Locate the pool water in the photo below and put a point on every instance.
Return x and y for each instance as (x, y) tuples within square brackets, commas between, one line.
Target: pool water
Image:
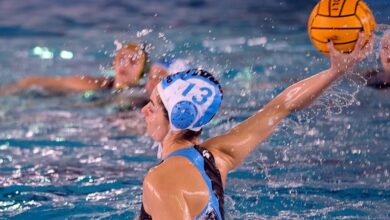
[(81, 156)]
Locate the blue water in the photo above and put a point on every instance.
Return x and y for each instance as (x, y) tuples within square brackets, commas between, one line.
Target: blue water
[(76, 157)]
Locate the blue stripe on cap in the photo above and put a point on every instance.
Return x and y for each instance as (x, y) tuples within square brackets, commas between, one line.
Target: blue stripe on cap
[(210, 112), (166, 62), (170, 79)]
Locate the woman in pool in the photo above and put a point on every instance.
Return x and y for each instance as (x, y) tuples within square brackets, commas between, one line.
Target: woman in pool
[(380, 78), (129, 64), (188, 183)]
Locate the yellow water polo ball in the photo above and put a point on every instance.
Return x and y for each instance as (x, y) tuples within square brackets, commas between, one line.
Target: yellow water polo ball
[(339, 21)]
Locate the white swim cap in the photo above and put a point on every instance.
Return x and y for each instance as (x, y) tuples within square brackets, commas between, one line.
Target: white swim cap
[(174, 65), (191, 98)]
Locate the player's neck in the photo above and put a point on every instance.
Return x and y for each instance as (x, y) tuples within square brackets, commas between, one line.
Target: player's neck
[(172, 142)]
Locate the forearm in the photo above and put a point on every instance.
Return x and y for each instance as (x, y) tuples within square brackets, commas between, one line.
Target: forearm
[(50, 83), (30, 81), (9, 89), (303, 93), (61, 84), (295, 97)]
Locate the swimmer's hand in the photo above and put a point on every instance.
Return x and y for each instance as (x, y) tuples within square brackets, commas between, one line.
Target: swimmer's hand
[(341, 62)]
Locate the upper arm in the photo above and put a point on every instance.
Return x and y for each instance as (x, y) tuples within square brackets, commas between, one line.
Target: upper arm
[(231, 148)]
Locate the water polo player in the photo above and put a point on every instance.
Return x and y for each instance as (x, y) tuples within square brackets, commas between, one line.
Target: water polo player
[(189, 181), (129, 64), (380, 77)]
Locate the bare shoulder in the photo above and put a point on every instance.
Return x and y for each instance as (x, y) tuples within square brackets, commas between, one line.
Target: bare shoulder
[(171, 174), (175, 184), (155, 189)]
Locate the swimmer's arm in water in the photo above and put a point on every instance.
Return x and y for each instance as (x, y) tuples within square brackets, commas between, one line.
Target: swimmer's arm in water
[(231, 148), (60, 84)]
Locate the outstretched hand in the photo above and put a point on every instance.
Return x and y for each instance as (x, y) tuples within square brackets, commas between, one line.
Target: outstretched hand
[(341, 62)]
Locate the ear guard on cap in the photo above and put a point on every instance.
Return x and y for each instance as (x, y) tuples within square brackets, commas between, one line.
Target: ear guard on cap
[(192, 98), (183, 114)]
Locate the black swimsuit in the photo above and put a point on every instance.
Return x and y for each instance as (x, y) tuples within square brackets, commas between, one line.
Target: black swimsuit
[(216, 182), (375, 80)]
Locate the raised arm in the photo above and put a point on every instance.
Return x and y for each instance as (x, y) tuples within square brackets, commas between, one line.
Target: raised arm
[(231, 148), (60, 84)]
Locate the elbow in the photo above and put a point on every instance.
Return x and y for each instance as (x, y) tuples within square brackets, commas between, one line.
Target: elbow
[(282, 109)]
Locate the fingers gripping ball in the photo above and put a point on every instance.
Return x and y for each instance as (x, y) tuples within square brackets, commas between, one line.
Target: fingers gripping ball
[(339, 21)]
